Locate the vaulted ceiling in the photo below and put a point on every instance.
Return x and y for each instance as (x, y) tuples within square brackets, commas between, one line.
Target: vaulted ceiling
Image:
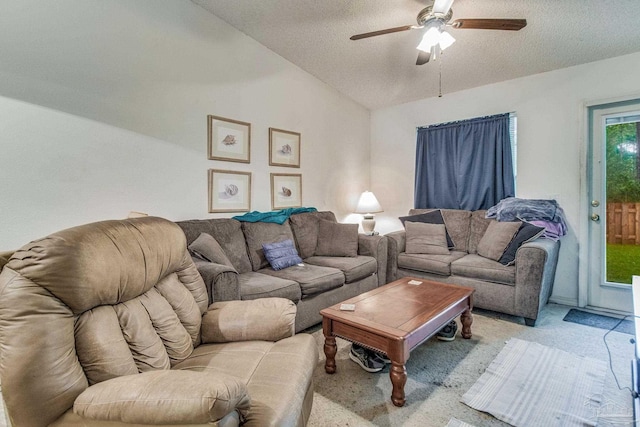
[(380, 71)]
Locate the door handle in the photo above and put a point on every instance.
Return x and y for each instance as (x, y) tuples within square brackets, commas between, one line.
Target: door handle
[(595, 217)]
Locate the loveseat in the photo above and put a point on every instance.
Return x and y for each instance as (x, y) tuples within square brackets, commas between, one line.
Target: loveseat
[(337, 262), (470, 255), (108, 324)]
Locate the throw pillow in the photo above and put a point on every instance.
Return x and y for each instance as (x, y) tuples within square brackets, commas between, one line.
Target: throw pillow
[(207, 248), (434, 217), (526, 233), (496, 239), (281, 254), (336, 239), (425, 238)]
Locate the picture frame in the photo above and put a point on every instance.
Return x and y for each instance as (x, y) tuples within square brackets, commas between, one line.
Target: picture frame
[(284, 148), (286, 191), (229, 191), (228, 140)]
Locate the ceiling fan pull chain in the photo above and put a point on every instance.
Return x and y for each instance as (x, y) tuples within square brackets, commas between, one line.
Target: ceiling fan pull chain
[(440, 77)]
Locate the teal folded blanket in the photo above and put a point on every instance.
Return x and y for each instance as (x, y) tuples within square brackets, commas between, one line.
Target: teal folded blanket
[(278, 217)]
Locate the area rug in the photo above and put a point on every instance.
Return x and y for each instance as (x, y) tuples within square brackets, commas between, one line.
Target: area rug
[(599, 321), (529, 384), (454, 422)]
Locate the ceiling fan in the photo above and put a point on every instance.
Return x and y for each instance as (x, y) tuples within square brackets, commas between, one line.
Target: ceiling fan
[(435, 18)]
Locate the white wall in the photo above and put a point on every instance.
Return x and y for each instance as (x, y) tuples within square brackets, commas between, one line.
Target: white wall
[(103, 109), (551, 145)]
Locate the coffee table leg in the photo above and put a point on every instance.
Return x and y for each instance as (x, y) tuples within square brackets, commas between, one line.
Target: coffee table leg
[(398, 374), (466, 318), (330, 350)]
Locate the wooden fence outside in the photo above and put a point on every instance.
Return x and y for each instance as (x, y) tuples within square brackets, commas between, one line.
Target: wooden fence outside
[(623, 223)]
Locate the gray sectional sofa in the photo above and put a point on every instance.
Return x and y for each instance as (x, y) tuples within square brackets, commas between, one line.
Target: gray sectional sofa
[(520, 289), (321, 281)]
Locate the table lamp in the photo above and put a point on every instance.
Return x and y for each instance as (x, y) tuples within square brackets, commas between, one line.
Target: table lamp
[(368, 205)]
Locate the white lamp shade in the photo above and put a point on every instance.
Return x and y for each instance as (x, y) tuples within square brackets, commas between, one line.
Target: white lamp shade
[(368, 203)]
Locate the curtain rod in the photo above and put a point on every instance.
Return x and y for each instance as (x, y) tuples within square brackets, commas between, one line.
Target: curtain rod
[(511, 113)]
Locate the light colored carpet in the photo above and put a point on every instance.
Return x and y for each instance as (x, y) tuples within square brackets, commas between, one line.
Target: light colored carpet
[(532, 384), (453, 422), (439, 373)]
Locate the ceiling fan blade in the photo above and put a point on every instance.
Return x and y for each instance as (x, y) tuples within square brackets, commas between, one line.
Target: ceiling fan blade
[(381, 32), (423, 57), (490, 24), (442, 6)]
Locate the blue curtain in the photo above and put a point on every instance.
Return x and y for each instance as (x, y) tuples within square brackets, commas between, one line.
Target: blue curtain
[(464, 165)]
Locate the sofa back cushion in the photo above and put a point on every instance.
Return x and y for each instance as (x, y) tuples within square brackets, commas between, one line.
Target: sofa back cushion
[(227, 232), (257, 234), (305, 230), (91, 303), (457, 224), (479, 225), (335, 239)]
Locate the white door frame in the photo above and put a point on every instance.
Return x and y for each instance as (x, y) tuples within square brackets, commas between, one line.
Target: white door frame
[(585, 207)]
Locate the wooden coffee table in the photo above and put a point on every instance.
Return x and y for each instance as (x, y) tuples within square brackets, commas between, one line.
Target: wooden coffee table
[(394, 319)]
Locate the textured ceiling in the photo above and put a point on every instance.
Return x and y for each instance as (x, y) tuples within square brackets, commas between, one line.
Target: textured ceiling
[(381, 71)]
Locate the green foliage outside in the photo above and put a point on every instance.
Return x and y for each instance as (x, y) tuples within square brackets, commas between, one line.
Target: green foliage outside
[(623, 261), (623, 185)]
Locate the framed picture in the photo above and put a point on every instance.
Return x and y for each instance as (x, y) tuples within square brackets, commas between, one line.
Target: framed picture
[(229, 191), (286, 191), (284, 148), (229, 140)]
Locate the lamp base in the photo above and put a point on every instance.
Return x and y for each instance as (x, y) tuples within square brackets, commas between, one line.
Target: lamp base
[(368, 224)]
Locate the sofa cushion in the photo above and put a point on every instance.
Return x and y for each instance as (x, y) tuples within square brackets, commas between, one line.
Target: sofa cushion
[(353, 269), (457, 223), (207, 248), (313, 279), (305, 230), (260, 365), (254, 285), (436, 264), (496, 239), (433, 217), (227, 232), (335, 239), (477, 228), (526, 233), (476, 267), (193, 398), (281, 254), (423, 238), (260, 233)]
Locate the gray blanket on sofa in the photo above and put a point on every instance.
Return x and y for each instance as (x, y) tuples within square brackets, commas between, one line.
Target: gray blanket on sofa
[(513, 209)]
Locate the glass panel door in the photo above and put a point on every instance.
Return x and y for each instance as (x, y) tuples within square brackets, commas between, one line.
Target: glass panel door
[(614, 232)]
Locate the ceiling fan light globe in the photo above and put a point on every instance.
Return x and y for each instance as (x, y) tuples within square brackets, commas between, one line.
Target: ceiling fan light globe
[(446, 40), (431, 38)]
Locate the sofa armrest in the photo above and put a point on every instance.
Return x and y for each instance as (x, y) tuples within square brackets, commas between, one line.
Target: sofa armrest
[(266, 319), (536, 263), (164, 397), (221, 280), (376, 247), (397, 244)]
